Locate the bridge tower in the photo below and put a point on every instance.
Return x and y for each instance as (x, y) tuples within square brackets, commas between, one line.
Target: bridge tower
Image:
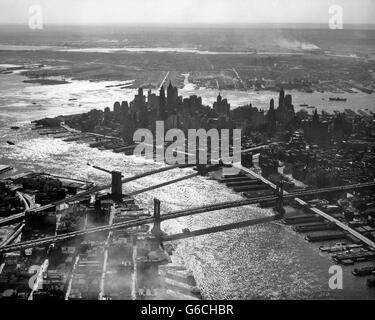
[(116, 186), (156, 230), (280, 200), (202, 168)]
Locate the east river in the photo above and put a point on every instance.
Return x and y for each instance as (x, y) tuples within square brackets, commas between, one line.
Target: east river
[(267, 261)]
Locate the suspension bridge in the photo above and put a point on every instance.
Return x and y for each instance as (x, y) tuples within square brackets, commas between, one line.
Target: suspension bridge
[(279, 197)]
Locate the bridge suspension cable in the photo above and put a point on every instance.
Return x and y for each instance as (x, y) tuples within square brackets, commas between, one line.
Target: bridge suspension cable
[(173, 215)]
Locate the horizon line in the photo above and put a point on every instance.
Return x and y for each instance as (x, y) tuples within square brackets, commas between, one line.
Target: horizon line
[(318, 25)]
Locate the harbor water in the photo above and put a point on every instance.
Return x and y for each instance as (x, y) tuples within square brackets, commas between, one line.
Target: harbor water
[(268, 261)]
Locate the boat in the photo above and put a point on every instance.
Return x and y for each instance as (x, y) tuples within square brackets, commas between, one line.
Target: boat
[(10, 143), (337, 99), (15, 128), (366, 271), (339, 247)]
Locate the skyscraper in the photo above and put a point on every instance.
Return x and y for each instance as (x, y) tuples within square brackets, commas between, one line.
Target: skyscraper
[(172, 98), (221, 106), (162, 104), (271, 118), (285, 111), (281, 98)]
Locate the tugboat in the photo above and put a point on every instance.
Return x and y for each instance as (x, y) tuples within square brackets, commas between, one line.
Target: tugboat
[(336, 247), (339, 247), (337, 99)]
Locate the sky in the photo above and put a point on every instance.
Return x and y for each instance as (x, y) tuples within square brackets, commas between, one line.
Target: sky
[(186, 11)]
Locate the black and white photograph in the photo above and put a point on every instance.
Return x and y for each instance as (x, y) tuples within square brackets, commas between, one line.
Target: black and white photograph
[(192, 150)]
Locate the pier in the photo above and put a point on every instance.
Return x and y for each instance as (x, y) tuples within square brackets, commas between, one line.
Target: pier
[(4, 169), (326, 216)]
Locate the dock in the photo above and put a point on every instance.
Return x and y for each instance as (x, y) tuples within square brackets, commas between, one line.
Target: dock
[(5, 168), (327, 236), (317, 211), (245, 184), (94, 140), (354, 257), (315, 227), (302, 219)]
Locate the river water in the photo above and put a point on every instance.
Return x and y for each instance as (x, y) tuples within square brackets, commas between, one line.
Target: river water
[(267, 261)]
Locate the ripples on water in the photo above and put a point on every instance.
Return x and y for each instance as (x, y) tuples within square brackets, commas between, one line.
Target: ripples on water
[(267, 261), (260, 262)]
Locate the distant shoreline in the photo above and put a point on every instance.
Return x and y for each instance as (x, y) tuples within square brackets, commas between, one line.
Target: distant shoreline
[(46, 81), (229, 25)]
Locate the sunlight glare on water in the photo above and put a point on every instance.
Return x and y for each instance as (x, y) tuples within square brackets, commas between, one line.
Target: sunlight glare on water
[(267, 261)]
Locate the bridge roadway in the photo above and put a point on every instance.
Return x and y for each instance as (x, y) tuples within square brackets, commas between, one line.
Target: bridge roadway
[(163, 184), (193, 211), (13, 235), (88, 193), (251, 222), (326, 216), (220, 228), (12, 219), (133, 223), (15, 217), (312, 192)]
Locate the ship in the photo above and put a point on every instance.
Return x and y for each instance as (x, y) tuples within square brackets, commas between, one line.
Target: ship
[(338, 247), (366, 271), (337, 99), (304, 105)]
